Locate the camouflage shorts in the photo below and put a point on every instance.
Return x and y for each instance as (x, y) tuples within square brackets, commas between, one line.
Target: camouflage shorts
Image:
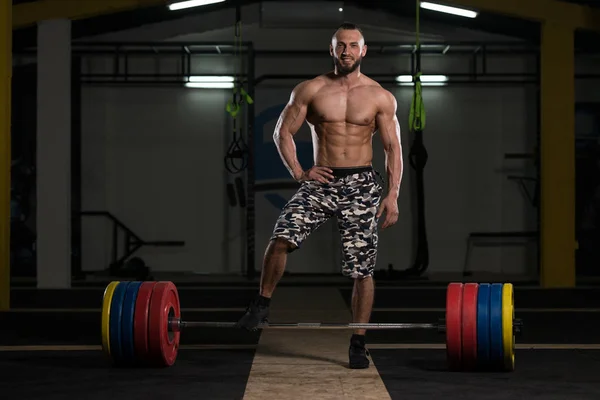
[(353, 197)]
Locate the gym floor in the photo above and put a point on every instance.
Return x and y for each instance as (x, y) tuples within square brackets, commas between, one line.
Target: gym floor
[(49, 348)]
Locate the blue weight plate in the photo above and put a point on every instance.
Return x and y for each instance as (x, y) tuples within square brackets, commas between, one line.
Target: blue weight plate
[(127, 343), (116, 311), (483, 325), (496, 341)]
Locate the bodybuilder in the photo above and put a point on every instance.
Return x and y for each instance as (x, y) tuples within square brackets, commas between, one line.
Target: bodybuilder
[(343, 108)]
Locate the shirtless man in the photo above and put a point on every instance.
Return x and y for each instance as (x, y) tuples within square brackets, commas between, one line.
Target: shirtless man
[(343, 108)]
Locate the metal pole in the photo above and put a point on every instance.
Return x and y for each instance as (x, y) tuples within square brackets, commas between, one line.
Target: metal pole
[(6, 36), (537, 166), (76, 159), (250, 171)]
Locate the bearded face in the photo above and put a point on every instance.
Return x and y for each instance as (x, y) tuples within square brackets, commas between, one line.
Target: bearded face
[(347, 51), (347, 64)]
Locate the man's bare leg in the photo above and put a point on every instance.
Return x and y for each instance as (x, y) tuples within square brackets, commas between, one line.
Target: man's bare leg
[(274, 263), (362, 302), (273, 267)]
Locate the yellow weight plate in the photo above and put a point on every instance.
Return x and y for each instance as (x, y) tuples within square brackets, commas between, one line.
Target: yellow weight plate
[(106, 302), (508, 336)]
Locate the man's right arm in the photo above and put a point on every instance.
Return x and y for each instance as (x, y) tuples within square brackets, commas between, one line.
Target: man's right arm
[(291, 119)]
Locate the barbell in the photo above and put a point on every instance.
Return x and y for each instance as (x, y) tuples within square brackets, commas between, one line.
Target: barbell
[(142, 325)]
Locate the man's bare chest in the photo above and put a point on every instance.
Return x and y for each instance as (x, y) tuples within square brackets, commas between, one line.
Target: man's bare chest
[(354, 108)]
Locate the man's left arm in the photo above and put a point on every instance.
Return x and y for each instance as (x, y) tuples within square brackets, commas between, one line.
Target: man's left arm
[(389, 129)]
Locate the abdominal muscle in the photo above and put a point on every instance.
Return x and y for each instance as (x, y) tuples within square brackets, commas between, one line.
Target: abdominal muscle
[(341, 145)]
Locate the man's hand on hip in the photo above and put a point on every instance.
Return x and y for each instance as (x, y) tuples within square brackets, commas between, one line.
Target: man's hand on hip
[(319, 174)]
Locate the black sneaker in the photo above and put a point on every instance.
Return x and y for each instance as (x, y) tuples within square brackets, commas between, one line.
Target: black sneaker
[(255, 314), (358, 357)]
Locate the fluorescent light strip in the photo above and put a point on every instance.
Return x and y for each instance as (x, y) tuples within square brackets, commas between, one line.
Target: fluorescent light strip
[(192, 3), (423, 78), (210, 82), (209, 85), (449, 10), (211, 79), (424, 84)]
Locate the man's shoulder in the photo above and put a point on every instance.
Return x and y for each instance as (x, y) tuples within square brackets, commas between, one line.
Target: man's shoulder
[(307, 85), (376, 88), (312, 84), (305, 90), (380, 96), (379, 93), (386, 95)]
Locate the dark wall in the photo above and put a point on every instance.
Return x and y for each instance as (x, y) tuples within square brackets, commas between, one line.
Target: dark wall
[(23, 139)]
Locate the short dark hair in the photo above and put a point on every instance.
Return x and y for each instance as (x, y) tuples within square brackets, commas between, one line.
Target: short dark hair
[(350, 26)]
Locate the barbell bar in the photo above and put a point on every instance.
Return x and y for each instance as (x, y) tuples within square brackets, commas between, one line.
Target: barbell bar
[(142, 325), (178, 325)]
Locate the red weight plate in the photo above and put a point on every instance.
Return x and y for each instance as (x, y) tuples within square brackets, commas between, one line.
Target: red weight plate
[(140, 322), (162, 342), (454, 299), (469, 326)]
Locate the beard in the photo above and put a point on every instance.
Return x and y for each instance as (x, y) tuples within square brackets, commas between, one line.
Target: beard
[(345, 69)]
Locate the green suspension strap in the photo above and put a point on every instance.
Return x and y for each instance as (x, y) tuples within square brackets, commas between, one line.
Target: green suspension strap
[(418, 159), (236, 158)]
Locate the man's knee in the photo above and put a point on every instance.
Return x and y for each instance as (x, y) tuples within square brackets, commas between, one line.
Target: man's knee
[(281, 245)]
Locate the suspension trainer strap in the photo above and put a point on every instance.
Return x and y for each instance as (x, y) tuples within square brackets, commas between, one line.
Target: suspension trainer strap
[(418, 159), (236, 158)]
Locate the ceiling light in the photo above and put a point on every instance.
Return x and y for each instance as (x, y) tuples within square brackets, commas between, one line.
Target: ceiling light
[(449, 10), (424, 78), (209, 85), (192, 3), (210, 79), (210, 82)]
